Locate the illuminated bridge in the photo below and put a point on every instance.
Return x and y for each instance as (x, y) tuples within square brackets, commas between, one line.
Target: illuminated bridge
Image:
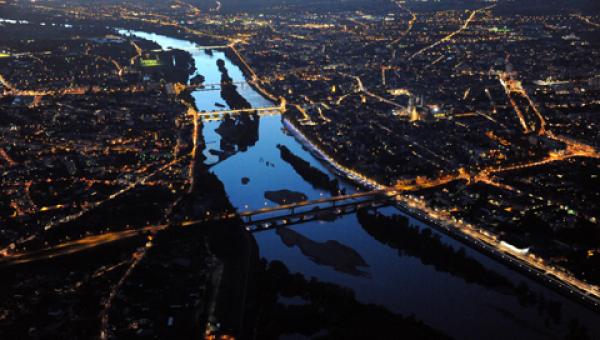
[(219, 115), (311, 210), (261, 111), (214, 86)]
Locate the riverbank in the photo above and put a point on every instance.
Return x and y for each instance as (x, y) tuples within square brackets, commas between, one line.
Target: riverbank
[(569, 289), (268, 178), (337, 168), (387, 269), (523, 267)]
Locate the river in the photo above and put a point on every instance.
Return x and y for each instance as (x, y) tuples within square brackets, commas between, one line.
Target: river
[(404, 282)]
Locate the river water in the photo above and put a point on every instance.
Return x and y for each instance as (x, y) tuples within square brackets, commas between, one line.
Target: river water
[(403, 283)]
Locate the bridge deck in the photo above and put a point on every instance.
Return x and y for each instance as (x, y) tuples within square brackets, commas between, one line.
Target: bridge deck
[(312, 215), (313, 202), (199, 86)]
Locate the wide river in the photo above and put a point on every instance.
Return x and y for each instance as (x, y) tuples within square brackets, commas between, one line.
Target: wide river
[(403, 283)]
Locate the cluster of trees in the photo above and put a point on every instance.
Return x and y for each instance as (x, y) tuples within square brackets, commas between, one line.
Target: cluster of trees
[(312, 175)]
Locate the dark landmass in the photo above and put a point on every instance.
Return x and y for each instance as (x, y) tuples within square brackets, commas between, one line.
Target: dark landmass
[(238, 132), (330, 312), (155, 303), (312, 175), (229, 91), (330, 253), (197, 80), (285, 196)]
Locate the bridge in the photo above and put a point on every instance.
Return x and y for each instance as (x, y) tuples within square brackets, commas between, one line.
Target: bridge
[(196, 48), (219, 115), (311, 210), (213, 86), (261, 111)]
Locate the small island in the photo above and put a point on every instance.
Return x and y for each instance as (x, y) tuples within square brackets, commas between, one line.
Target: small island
[(285, 196), (197, 80), (309, 173)]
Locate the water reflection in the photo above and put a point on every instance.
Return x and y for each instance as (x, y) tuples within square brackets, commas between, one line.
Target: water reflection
[(296, 307), (447, 285), (237, 135), (329, 253)]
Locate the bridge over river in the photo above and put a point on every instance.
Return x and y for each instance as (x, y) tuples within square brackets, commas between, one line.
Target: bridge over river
[(261, 111), (319, 209), (253, 221), (301, 212)]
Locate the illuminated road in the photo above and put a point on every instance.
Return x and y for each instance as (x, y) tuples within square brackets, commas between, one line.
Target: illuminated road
[(4, 155), (114, 195), (90, 242), (137, 257), (514, 87), (485, 240), (191, 111), (138, 52), (574, 148), (76, 246), (218, 8), (518, 112), (455, 33), (363, 89), (410, 25), (587, 20), (6, 84), (81, 90), (195, 11)]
